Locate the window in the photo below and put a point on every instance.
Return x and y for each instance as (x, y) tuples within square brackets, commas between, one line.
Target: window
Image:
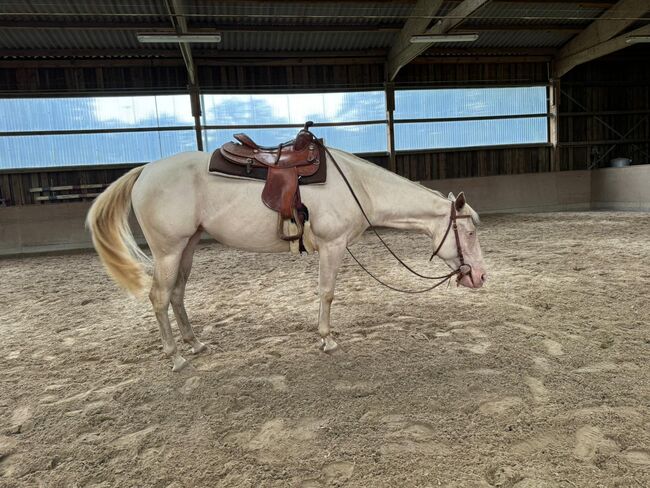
[(76, 131), (353, 121), (42, 132), (466, 117)]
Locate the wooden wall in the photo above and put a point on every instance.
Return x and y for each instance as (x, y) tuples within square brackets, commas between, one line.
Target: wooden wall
[(15, 186), (614, 90), (605, 111), (473, 162), (24, 79)]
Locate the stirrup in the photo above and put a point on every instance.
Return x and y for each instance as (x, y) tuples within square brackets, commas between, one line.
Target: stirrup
[(298, 223)]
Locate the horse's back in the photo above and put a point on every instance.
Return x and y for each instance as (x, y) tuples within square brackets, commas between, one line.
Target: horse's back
[(177, 195)]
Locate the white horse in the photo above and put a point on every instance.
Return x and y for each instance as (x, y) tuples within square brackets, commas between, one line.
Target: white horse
[(176, 199)]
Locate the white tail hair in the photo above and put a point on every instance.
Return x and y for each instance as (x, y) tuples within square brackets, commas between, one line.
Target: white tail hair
[(108, 221)]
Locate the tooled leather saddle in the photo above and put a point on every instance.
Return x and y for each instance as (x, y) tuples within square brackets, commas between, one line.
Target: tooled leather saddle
[(284, 168)]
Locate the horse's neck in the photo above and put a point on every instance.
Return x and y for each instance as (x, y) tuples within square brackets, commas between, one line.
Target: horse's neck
[(397, 202)]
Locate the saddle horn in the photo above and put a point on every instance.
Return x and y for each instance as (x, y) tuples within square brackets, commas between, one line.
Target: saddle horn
[(304, 137)]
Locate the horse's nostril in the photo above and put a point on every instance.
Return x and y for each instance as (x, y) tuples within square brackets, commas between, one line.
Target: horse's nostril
[(483, 277)]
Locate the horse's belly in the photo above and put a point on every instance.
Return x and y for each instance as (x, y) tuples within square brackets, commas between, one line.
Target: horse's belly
[(235, 215)]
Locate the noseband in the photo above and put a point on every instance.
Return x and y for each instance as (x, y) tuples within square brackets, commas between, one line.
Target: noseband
[(463, 269)]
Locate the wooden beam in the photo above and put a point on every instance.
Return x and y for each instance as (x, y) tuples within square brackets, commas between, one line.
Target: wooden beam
[(554, 123), (565, 64), (176, 11), (582, 4), (458, 15), (417, 23), (175, 53), (404, 53), (390, 125), (482, 59), (609, 24)]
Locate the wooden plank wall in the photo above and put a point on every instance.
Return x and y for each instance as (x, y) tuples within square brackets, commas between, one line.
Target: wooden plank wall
[(459, 74), (14, 187), (602, 101), (290, 78), (477, 162), (602, 87), (81, 78)]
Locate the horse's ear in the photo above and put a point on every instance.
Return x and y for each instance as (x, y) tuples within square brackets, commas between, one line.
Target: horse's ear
[(451, 196), (460, 201)]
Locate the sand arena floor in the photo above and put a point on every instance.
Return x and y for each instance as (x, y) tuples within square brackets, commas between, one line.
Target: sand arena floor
[(539, 379)]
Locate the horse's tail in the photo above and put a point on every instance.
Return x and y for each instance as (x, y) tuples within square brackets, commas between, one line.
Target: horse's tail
[(108, 221)]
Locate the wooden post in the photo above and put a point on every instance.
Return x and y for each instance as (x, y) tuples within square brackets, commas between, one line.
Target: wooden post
[(554, 122), (390, 109), (195, 100)]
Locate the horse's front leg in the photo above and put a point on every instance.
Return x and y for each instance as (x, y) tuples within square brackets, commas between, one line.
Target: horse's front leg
[(331, 255)]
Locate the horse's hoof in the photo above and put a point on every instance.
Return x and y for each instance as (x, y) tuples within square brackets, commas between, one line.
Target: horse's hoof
[(198, 347), (333, 351), (330, 347), (179, 363)]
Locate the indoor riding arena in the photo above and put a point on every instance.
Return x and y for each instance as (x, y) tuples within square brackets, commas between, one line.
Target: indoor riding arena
[(309, 346)]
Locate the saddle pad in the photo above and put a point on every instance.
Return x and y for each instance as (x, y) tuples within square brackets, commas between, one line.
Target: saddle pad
[(220, 165), (238, 153)]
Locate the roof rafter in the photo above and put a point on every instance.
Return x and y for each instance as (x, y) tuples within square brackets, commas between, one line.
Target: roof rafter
[(612, 22), (566, 64), (421, 17), (403, 52), (176, 11)]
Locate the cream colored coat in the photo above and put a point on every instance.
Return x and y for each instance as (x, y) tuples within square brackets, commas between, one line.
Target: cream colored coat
[(175, 199)]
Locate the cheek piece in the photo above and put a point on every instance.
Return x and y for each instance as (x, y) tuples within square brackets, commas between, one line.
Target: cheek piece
[(463, 269)]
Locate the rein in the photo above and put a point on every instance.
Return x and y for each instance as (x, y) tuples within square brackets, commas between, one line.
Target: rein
[(462, 270)]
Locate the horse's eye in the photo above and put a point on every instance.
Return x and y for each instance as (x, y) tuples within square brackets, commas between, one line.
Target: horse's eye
[(471, 233)]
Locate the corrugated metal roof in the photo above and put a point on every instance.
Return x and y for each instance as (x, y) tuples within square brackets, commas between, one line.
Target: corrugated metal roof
[(304, 41), (513, 39), (535, 13), (231, 41), (207, 13), (298, 13), (69, 39), (80, 10)]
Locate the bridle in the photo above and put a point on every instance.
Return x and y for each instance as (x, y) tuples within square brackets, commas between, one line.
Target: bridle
[(462, 270), (453, 217)]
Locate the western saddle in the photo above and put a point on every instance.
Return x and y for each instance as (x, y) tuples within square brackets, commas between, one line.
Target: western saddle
[(300, 161)]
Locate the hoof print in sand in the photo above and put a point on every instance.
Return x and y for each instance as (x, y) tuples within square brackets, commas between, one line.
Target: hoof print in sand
[(637, 456), (552, 347), (537, 389), (590, 441), (190, 385), (279, 439)]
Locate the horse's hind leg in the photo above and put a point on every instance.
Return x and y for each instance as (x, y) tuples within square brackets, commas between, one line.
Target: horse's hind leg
[(164, 278), (178, 296)]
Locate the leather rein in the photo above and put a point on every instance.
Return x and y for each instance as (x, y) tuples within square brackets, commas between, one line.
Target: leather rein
[(463, 269)]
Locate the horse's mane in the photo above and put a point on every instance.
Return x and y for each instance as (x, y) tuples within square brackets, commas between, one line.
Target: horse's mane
[(475, 217)]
